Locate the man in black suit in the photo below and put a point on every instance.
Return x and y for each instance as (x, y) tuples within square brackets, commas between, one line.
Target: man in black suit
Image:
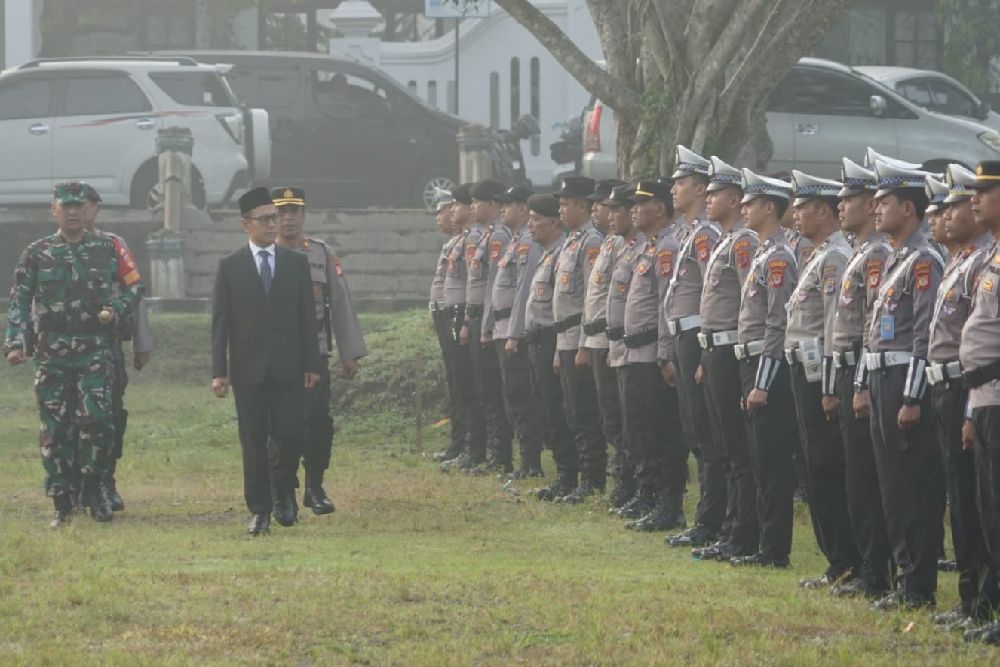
[(264, 344)]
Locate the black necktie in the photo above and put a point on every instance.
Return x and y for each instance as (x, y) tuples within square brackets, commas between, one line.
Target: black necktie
[(265, 270)]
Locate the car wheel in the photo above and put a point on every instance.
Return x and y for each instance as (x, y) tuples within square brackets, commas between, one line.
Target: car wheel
[(425, 192)]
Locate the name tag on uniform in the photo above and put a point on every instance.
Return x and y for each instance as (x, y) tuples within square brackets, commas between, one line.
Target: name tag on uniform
[(887, 328)]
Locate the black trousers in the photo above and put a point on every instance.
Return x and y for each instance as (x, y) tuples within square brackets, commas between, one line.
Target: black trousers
[(464, 383), (271, 418), (722, 385), (977, 580), (772, 439), (446, 341), (911, 478), (986, 421), (545, 389), (317, 442), (651, 418), (583, 416), (864, 497), (609, 402), (523, 409), (489, 389), (826, 476), (710, 454)]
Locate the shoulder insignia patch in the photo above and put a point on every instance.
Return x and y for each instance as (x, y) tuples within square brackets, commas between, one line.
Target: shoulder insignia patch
[(701, 247), (665, 262), (741, 249), (922, 275), (776, 272)]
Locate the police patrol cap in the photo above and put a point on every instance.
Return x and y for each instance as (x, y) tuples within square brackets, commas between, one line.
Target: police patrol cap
[(937, 193), (254, 198), (722, 175), (621, 196), (288, 196), (70, 192), (518, 193), (893, 177), (647, 190), (487, 190), (576, 187), (960, 181), (872, 156), (442, 199), (755, 186), (856, 179), (806, 187), (987, 175), (688, 163), (462, 193), (603, 189), (544, 205)]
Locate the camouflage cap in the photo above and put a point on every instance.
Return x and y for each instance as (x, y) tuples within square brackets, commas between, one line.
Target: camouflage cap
[(70, 192), (90, 193)]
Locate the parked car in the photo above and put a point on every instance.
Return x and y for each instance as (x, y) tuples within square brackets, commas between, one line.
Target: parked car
[(935, 91), (345, 131), (822, 111), (95, 119)]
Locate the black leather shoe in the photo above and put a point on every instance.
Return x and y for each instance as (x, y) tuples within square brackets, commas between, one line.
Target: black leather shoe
[(110, 490), (455, 463), (95, 501), (984, 634), (63, 504), (636, 508), (579, 494), (661, 518), (698, 535), (315, 498), (823, 581), (722, 551), (561, 486), (760, 560), (956, 615), (857, 588), (446, 454), (945, 565), (620, 494), (904, 600), (260, 524), (286, 512)]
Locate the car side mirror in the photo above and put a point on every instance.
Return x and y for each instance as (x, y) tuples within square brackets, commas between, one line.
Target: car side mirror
[(878, 106)]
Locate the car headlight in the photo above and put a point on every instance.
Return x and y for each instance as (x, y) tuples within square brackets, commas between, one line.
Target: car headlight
[(991, 139)]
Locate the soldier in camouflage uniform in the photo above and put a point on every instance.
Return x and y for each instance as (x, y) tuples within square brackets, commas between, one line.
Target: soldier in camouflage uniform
[(336, 319), (68, 277)]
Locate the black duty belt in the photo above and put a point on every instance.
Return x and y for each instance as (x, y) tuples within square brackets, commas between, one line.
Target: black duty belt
[(474, 311), (537, 335), (615, 333), (977, 377), (568, 323), (501, 314), (595, 327), (632, 341)]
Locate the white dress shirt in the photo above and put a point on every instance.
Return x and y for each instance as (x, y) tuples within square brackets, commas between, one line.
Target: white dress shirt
[(255, 251)]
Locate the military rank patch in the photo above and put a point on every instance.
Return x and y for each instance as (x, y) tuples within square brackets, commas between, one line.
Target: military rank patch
[(665, 262), (922, 275), (776, 272), (701, 247), (987, 284), (741, 249), (128, 272)]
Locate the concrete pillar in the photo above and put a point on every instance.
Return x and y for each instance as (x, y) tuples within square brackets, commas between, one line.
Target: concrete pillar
[(174, 146), (166, 264), (474, 145)]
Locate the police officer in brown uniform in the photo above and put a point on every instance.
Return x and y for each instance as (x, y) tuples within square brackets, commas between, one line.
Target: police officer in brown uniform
[(623, 464), (809, 352), (595, 324), (767, 399), (846, 375), (506, 319), (728, 268), (907, 457), (540, 336), (650, 407), (482, 264), (335, 319), (455, 294), (977, 581), (576, 261), (980, 357)]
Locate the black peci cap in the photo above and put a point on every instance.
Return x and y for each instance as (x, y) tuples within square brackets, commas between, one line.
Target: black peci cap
[(576, 187), (518, 193), (254, 198), (487, 190)]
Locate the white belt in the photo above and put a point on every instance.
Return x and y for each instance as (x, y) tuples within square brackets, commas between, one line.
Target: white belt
[(717, 339), (941, 372), (876, 360), (683, 324), (845, 359), (749, 350)]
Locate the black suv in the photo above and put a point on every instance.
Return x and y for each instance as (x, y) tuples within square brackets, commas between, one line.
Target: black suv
[(345, 131)]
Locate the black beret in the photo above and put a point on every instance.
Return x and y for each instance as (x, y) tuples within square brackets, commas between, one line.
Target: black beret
[(254, 198), (488, 190), (518, 193), (462, 193), (544, 205), (288, 196), (577, 187)]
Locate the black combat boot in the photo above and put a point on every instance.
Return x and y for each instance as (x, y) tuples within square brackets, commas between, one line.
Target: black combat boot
[(623, 491), (314, 496), (579, 494), (109, 489), (563, 484), (94, 500), (665, 515), (639, 506), (63, 504)]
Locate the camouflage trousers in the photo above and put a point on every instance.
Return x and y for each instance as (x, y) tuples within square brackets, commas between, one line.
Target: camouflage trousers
[(74, 395)]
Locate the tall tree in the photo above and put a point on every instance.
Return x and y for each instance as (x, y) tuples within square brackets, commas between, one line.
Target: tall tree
[(693, 72), (973, 40)]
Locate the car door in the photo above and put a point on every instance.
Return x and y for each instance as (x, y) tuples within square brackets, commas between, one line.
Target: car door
[(26, 107), (102, 120), (832, 118)]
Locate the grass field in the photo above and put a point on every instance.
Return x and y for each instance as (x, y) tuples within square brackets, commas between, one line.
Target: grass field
[(414, 568)]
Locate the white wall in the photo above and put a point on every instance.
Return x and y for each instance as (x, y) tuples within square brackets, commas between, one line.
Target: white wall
[(488, 46), (22, 35)]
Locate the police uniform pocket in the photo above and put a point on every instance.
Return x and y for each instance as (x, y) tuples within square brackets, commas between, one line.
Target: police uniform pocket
[(566, 281)]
